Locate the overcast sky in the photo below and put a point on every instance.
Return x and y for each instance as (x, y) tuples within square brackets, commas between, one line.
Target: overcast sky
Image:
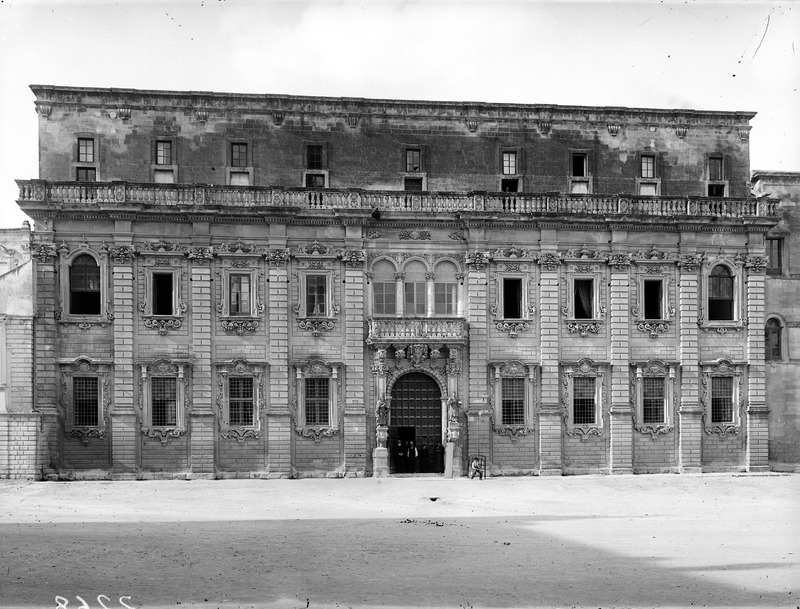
[(742, 55)]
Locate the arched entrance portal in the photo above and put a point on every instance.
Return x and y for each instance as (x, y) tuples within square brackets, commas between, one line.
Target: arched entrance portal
[(416, 416)]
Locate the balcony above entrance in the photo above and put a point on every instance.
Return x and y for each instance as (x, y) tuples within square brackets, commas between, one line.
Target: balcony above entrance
[(449, 330)]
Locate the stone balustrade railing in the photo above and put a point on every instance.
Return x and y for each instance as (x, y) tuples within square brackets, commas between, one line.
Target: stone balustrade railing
[(413, 329), (106, 194)]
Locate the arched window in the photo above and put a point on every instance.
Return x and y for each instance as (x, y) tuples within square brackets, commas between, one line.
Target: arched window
[(772, 340), (720, 294), (445, 289), (384, 289), (415, 289), (84, 286)]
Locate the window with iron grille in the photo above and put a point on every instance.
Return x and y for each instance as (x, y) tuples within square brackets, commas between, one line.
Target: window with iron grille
[(509, 163), (513, 396), (85, 150), (583, 401), (85, 401), (775, 256), (164, 401), (239, 294), (648, 166), (772, 340), (240, 401), (316, 291), (317, 393), (720, 294), (413, 160), (84, 286), (163, 152), (238, 155), (721, 399), (384, 294), (314, 158), (653, 400), (445, 298)]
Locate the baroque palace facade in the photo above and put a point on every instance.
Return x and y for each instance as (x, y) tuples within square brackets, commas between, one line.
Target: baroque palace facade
[(282, 286)]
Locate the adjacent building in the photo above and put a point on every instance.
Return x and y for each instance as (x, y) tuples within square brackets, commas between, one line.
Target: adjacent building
[(282, 286)]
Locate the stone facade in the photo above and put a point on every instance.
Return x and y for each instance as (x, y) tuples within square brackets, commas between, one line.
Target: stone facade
[(782, 330), (275, 286)]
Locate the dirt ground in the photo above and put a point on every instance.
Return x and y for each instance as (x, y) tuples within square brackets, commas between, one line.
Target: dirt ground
[(712, 540)]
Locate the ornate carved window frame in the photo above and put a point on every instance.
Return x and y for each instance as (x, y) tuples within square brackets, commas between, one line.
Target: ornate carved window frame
[(240, 259), (513, 369), (65, 259), (240, 368), (83, 367), (736, 268), (723, 368), (583, 368), (316, 260), (654, 369), (317, 368), (513, 263), (591, 265), (648, 270), (166, 258), (164, 368)]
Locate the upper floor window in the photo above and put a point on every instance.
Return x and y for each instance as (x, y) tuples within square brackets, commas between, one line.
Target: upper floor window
[(772, 340), (238, 155), (315, 174), (413, 184), (580, 179), (717, 177), (316, 295), (84, 286), (163, 152), (720, 294), (648, 184), (413, 160), (648, 166), (774, 255), (239, 294), (314, 157), (384, 289), (240, 167), (85, 150), (415, 289), (85, 174), (653, 298), (445, 289), (511, 171), (583, 298), (510, 163), (512, 297)]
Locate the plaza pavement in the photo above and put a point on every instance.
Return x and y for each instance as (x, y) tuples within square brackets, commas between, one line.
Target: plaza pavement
[(710, 540)]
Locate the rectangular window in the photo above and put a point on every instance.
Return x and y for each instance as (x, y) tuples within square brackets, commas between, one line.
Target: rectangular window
[(716, 169), (314, 157), (509, 163), (164, 401), (415, 303), (162, 294), (163, 153), (513, 401), (716, 190), (583, 407), (85, 150), (648, 166), (240, 178), (512, 297), (772, 340), (583, 298), (579, 169), (240, 405), (445, 298), (84, 286), (384, 295), (316, 292), (239, 293), (412, 184), (653, 400), (775, 256), (720, 294), (653, 298), (509, 185), (85, 400), (238, 155), (85, 174), (316, 401), (721, 399), (316, 180), (413, 160)]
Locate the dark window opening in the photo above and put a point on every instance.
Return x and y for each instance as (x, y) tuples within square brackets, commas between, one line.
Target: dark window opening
[(509, 185), (775, 256), (238, 155), (162, 294), (583, 408), (721, 399), (584, 298), (716, 169), (315, 295), (164, 153), (579, 166), (512, 298), (412, 184), (314, 157), (513, 391), (316, 180), (317, 393), (772, 340), (240, 403), (85, 401), (652, 400), (164, 402), (84, 286), (85, 174), (413, 160), (716, 190), (652, 299), (720, 294)]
